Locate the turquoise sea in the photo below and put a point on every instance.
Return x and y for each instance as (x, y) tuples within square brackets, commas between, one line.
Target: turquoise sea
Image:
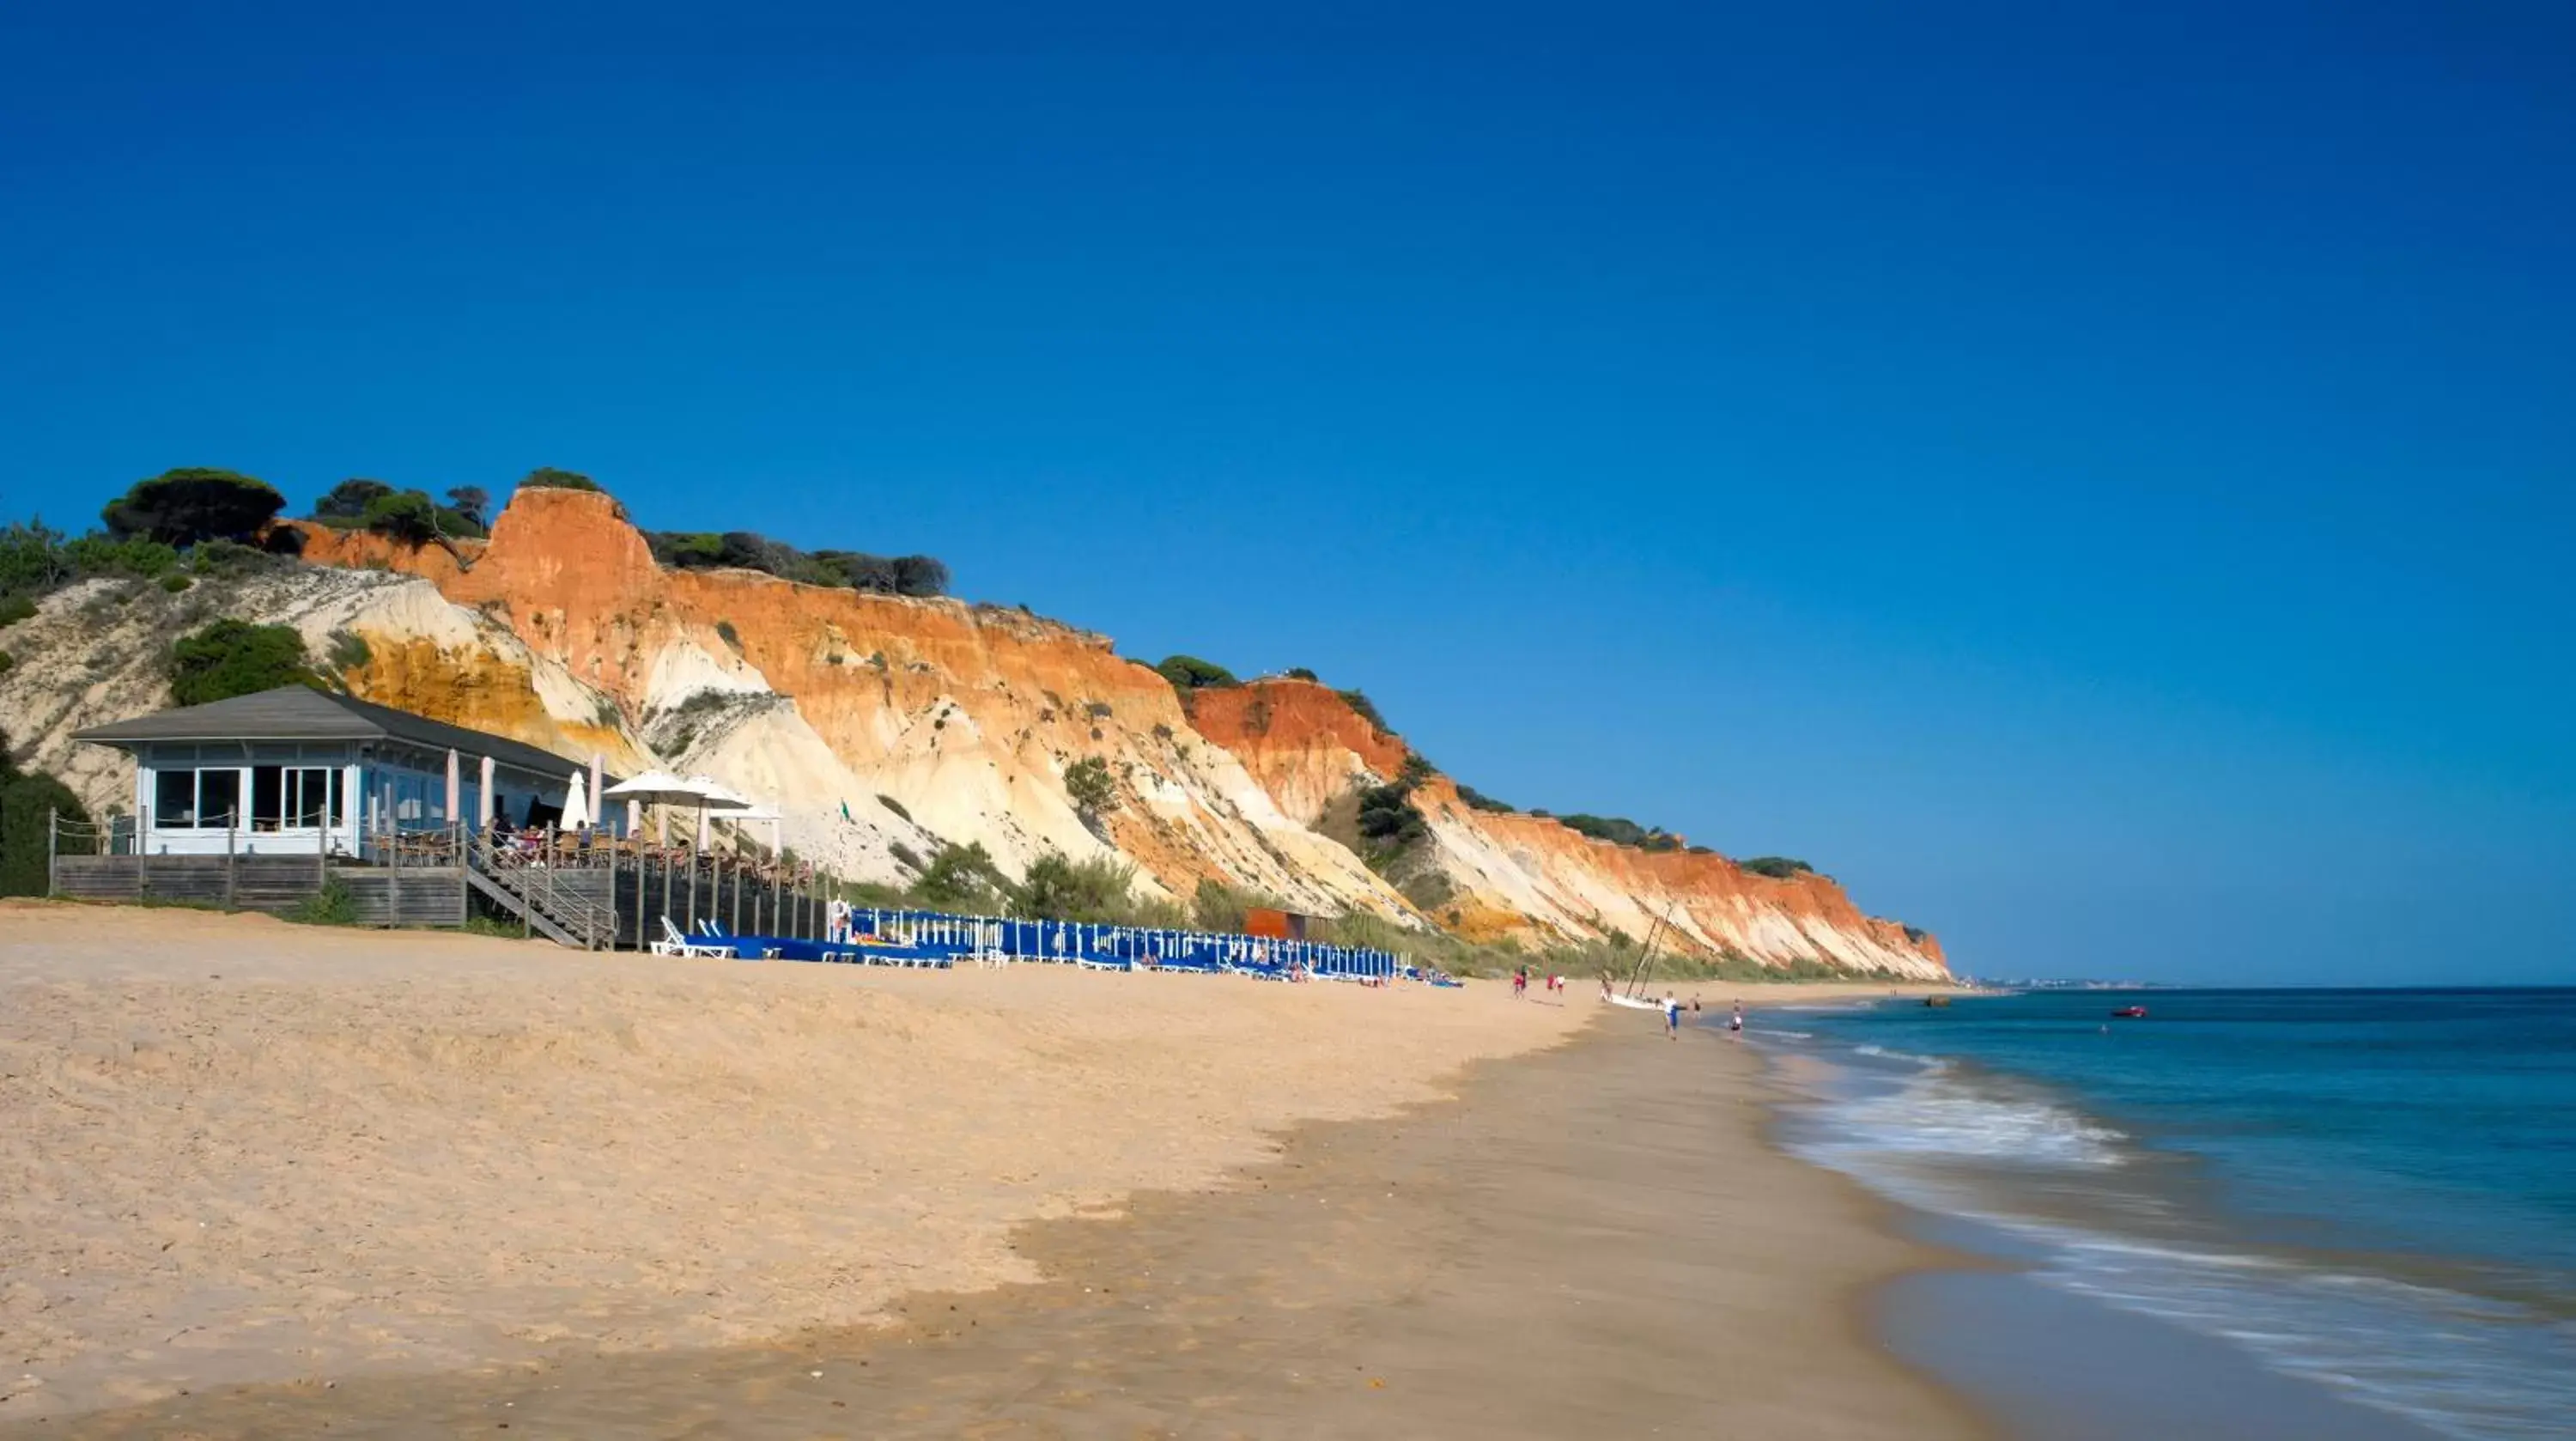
[(2289, 1212)]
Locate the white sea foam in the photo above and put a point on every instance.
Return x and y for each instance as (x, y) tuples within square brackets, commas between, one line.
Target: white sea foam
[(1934, 1116), (1885, 1053), (2462, 1366)]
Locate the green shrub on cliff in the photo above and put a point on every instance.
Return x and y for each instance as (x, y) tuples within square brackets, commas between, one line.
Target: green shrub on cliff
[(232, 657), (1188, 673), (1479, 801), (1359, 701), (32, 563), (1619, 830), (547, 477), (1389, 823), (27, 800), (910, 575), (1778, 868), (344, 506), (1093, 792), (960, 878), (1095, 891), (407, 516), (184, 506), (130, 557)]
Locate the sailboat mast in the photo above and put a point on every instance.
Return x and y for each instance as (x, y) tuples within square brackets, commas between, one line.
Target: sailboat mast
[(1646, 954)]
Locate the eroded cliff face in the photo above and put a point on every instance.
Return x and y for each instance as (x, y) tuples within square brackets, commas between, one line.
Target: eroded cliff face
[(883, 726), (1510, 874), (829, 701)]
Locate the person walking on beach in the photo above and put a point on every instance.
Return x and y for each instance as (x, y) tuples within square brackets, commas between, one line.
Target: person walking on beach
[(1672, 1018), (1735, 1024)]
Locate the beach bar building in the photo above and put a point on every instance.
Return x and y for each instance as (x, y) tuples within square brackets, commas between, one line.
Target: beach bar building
[(297, 771), (295, 796)]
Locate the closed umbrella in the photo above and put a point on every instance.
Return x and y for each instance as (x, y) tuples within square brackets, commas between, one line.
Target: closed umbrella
[(576, 811), (777, 825), (715, 795), (483, 806), (455, 788)]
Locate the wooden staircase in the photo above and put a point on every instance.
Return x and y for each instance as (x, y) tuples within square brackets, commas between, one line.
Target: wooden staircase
[(569, 906)]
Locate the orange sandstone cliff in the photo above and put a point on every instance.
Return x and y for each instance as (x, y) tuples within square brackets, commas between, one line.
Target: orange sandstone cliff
[(885, 726), (1490, 874)]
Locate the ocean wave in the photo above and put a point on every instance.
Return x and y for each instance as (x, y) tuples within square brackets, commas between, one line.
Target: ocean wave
[(1887, 1053), (1935, 1116), (2469, 1367)]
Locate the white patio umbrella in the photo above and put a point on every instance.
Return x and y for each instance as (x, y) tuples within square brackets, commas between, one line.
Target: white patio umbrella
[(661, 788), (455, 788), (576, 810), (483, 804)]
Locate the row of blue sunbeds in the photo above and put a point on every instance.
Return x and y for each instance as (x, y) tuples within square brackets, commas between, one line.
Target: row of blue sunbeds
[(711, 939)]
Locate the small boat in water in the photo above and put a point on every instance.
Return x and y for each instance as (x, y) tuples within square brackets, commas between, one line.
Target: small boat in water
[(2130, 1013), (1936, 1002)]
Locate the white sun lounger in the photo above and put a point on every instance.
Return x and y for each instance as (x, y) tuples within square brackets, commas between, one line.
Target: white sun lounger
[(673, 943)]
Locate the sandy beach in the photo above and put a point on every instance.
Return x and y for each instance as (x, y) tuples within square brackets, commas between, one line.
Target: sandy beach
[(366, 1177)]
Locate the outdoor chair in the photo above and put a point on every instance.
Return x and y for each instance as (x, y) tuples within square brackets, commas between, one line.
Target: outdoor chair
[(674, 943)]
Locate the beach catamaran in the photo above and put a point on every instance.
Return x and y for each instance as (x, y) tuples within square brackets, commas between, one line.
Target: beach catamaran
[(1635, 997)]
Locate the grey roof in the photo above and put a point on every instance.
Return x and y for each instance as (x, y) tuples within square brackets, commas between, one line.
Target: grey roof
[(301, 713)]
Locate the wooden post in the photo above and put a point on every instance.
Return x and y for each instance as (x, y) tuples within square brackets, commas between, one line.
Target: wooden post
[(53, 821), (393, 883), (232, 867), (612, 893), (456, 853)]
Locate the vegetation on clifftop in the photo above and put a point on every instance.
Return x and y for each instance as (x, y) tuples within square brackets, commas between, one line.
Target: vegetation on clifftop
[(912, 575), (1619, 830), (182, 507), (1188, 673), (407, 516), (196, 521), (1778, 868)]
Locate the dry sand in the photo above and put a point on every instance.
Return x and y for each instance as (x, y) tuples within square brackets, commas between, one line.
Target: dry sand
[(236, 1151)]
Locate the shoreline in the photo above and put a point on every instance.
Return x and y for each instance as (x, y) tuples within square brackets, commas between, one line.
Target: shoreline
[(148, 1079)]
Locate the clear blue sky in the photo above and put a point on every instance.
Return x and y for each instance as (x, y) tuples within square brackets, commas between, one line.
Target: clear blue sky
[(2101, 487)]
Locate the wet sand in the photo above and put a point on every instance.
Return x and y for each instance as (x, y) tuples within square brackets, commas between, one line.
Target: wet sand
[(1593, 1243)]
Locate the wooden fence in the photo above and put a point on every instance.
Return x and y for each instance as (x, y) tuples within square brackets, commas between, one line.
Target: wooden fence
[(415, 896), (611, 896)]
